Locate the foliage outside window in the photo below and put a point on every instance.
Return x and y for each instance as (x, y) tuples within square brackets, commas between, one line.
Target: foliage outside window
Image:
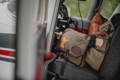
[(74, 10), (108, 7)]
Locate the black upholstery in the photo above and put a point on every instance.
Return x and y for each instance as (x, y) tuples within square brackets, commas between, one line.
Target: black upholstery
[(111, 65), (72, 72), (116, 20)]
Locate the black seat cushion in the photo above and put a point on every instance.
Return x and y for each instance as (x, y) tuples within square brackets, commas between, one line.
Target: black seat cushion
[(71, 72), (111, 65)]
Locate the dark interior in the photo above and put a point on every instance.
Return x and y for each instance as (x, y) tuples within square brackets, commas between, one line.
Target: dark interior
[(110, 69), (60, 69)]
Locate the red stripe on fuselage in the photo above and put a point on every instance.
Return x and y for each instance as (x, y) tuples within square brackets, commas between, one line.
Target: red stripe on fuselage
[(7, 53)]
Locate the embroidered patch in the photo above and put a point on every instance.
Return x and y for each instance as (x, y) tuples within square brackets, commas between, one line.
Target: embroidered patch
[(99, 42)]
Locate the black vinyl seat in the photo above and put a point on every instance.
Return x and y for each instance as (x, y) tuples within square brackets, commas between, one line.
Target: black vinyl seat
[(72, 72), (111, 66)]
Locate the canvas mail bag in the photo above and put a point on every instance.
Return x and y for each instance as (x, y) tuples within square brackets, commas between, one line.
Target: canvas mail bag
[(96, 54), (75, 45)]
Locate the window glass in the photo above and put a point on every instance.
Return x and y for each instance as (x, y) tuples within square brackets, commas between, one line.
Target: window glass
[(108, 7), (73, 7)]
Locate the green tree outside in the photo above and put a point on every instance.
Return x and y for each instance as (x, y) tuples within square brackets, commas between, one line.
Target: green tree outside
[(73, 6), (107, 10)]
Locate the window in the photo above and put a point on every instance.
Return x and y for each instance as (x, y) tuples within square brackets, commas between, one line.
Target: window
[(73, 7), (108, 7)]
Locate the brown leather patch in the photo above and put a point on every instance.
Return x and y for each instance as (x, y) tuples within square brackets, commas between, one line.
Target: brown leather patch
[(76, 50)]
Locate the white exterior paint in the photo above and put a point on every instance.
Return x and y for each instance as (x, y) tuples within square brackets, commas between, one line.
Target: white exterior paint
[(6, 70), (7, 20)]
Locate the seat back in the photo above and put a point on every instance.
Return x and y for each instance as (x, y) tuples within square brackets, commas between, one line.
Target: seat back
[(111, 65)]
